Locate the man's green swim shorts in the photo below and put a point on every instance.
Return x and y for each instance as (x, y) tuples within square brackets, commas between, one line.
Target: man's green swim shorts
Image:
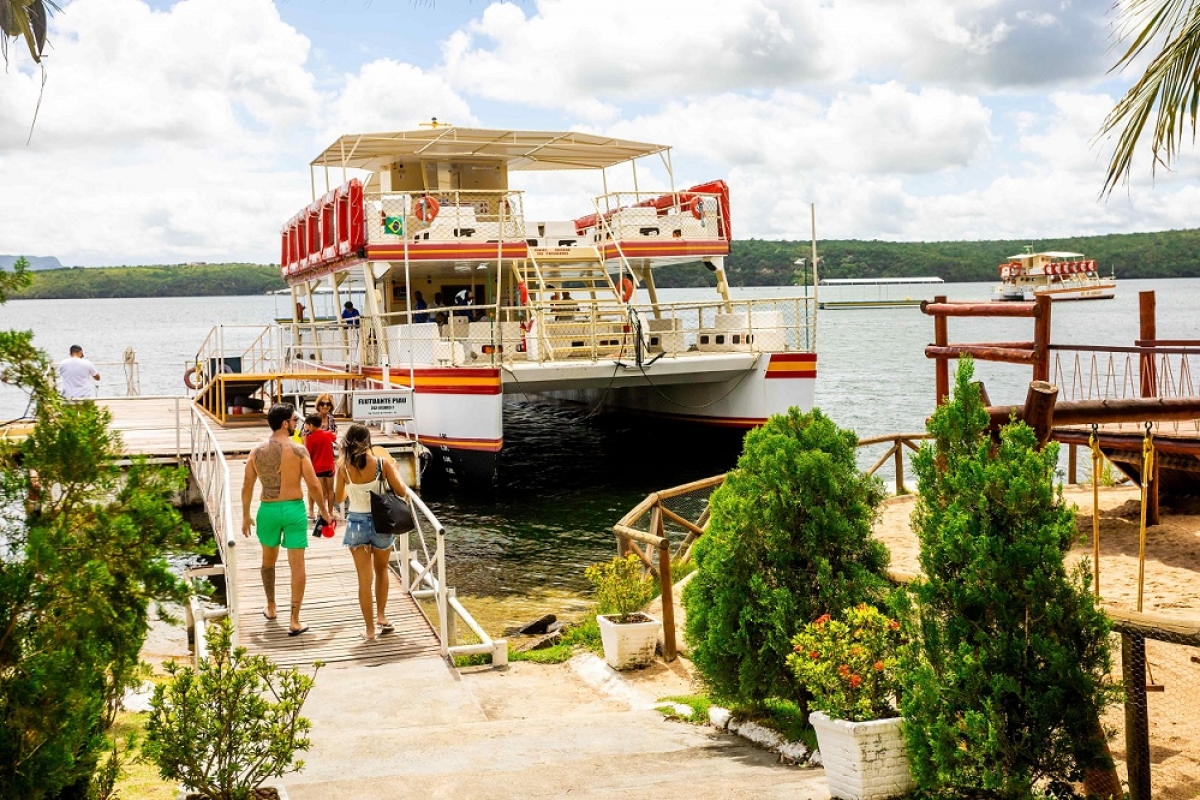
[(283, 521)]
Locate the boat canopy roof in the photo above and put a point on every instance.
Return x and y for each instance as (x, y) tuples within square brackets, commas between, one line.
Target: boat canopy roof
[(520, 150), (1048, 254), (876, 281)]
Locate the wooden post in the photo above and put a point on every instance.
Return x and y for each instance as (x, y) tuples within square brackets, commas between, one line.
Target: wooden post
[(1137, 720), (942, 365), (1041, 339), (668, 600), (1072, 464), (899, 468), (1039, 409), (1147, 333)]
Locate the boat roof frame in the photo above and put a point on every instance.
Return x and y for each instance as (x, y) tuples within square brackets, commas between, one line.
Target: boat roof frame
[(520, 150)]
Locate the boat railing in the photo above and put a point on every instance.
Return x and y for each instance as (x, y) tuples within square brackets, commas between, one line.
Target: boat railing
[(632, 216), (237, 349), (422, 563), (579, 329), (461, 215)]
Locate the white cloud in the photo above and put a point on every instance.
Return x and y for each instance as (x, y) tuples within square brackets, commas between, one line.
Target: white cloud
[(387, 96), (587, 59)]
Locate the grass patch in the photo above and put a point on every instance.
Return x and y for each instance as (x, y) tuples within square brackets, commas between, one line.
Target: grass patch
[(697, 702), (584, 636), (138, 778)]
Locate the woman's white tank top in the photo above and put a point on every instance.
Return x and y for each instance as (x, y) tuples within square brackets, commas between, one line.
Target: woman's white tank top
[(359, 494)]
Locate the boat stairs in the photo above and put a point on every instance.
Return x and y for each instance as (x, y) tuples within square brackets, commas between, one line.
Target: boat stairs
[(175, 431)]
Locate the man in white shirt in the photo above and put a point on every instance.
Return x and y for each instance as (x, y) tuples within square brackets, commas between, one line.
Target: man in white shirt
[(75, 375)]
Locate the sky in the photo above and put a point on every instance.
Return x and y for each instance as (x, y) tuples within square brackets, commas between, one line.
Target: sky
[(177, 132)]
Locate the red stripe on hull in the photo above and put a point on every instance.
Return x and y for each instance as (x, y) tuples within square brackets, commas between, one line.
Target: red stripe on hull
[(803, 373), (478, 445)]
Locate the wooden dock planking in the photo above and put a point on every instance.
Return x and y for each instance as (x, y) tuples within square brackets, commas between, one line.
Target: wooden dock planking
[(330, 608)]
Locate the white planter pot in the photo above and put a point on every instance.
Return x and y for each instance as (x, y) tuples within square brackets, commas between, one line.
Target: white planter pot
[(863, 760), (629, 645)]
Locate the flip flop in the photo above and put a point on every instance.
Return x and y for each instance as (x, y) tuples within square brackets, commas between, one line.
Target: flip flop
[(269, 618), (297, 631), (363, 636), (386, 627)]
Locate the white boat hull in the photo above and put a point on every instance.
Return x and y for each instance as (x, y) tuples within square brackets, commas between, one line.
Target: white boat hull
[(1089, 291)]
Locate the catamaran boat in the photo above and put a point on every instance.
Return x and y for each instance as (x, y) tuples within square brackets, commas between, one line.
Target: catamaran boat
[(469, 297), (1060, 276)]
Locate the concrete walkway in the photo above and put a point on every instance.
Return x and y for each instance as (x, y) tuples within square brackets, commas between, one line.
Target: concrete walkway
[(422, 729)]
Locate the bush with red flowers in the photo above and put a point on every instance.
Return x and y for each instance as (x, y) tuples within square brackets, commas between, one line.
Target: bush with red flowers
[(849, 664)]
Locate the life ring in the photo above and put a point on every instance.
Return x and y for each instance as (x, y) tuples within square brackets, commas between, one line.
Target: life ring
[(187, 377), (524, 291), (427, 209), (626, 290), (697, 207)]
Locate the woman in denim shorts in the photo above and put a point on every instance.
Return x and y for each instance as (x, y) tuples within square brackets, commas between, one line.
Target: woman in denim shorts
[(360, 471)]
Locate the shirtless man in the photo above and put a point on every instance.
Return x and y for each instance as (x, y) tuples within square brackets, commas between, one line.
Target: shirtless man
[(280, 464)]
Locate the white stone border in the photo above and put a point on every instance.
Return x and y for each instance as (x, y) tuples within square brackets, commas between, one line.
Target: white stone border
[(797, 752)]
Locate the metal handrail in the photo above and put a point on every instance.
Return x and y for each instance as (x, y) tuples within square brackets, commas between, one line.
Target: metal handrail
[(211, 472), (427, 579), (792, 331)]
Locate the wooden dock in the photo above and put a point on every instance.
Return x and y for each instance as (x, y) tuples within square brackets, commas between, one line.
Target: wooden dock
[(150, 427)]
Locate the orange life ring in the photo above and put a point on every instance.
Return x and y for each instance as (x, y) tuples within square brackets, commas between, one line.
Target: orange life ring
[(524, 291), (697, 207), (427, 209), (187, 378), (626, 290)]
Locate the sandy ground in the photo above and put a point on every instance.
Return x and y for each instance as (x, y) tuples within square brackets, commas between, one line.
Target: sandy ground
[(1172, 588)]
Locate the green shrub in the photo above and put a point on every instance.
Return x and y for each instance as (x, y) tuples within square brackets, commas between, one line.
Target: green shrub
[(85, 543), (849, 664), (789, 540), (620, 588), (1007, 676), (227, 727)]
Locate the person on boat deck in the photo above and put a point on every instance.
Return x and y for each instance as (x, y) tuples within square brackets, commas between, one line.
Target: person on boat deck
[(419, 305), (299, 311), (464, 300), (281, 465), (359, 471), (567, 308), (319, 443), (350, 315), (76, 375), (439, 315)]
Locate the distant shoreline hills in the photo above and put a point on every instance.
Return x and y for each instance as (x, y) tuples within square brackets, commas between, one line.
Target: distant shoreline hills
[(752, 262)]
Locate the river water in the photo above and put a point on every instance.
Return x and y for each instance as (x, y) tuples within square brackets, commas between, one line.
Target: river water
[(567, 475)]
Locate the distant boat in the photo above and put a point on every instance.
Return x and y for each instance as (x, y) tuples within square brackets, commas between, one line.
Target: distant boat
[(876, 292), (1060, 276)]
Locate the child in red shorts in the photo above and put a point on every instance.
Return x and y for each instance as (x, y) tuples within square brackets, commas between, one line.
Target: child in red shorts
[(319, 443)]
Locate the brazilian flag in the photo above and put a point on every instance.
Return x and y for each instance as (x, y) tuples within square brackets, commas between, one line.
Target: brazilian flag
[(394, 225)]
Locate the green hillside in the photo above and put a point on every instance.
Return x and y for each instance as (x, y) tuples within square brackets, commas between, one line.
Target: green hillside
[(758, 262), (752, 262), (199, 280)]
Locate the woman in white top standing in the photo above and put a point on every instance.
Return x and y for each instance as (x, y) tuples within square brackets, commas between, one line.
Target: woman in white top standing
[(359, 471)]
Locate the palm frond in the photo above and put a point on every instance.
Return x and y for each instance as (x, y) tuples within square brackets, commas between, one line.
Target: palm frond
[(1168, 91)]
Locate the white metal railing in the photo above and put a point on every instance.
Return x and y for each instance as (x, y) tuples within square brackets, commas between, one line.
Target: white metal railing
[(426, 579), (482, 215), (210, 470), (548, 331)]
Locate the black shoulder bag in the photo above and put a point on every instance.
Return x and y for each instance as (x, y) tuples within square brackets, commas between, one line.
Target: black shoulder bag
[(389, 512)]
